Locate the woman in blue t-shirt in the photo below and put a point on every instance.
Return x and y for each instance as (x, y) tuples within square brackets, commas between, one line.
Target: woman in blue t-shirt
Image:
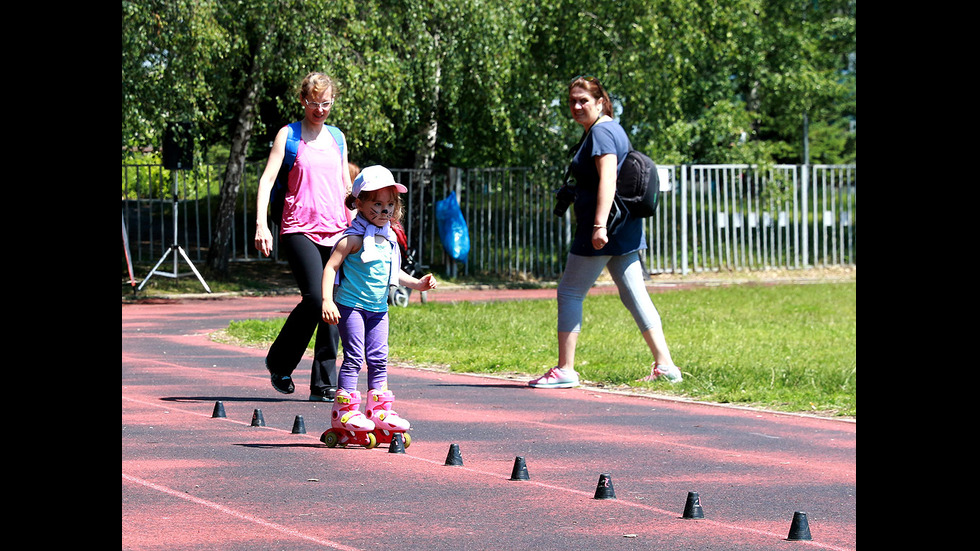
[(596, 245)]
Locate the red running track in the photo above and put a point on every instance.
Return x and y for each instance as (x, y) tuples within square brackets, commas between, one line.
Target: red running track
[(193, 481)]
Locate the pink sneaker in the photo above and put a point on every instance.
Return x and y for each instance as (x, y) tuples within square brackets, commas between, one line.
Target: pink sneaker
[(556, 378), (669, 372)]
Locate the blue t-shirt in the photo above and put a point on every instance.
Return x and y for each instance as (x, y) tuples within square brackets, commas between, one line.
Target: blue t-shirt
[(626, 237), (365, 284)]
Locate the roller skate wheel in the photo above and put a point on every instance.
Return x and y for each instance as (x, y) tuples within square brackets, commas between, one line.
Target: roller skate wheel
[(330, 438), (408, 439), (372, 441)]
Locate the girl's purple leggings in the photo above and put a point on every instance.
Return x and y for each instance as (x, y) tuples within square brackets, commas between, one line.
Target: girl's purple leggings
[(365, 340)]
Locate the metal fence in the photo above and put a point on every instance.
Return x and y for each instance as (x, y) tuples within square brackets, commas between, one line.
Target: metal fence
[(731, 217), (711, 218)]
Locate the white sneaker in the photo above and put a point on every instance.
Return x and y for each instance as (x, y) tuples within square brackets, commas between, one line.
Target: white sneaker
[(669, 372), (556, 378)]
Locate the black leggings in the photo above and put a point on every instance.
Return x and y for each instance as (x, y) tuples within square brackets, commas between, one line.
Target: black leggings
[(306, 260)]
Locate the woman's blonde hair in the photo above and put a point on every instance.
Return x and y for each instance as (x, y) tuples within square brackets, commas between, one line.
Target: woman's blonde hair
[(314, 84)]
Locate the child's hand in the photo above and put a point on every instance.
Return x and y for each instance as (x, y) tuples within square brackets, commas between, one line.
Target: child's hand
[(331, 314), (427, 282)]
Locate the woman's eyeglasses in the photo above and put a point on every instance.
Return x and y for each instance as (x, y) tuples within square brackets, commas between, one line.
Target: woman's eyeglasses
[(322, 104)]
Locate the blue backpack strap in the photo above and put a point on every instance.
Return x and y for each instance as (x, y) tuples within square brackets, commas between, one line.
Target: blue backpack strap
[(338, 137), (277, 197), (292, 144)]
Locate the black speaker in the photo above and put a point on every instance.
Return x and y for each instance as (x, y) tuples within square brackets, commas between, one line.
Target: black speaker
[(178, 146)]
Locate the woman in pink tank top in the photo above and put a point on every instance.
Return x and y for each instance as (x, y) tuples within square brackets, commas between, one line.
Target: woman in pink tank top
[(314, 219)]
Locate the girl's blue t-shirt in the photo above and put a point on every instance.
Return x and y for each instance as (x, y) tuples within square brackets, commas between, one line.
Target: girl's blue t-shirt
[(365, 284), (627, 237)]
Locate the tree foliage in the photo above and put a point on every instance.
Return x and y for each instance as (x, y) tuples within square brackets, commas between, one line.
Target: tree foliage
[(691, 77), (469, 83)]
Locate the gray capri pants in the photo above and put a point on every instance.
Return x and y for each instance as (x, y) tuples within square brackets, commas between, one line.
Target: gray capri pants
[(582, 271)]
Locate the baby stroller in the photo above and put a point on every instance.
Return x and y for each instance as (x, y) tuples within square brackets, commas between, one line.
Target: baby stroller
[(398, 295)]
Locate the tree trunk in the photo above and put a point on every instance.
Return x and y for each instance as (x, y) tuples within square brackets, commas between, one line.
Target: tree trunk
[(430, 130), (219, 251)]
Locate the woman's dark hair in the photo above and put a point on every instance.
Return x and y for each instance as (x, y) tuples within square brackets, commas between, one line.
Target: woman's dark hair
[(595, 89)]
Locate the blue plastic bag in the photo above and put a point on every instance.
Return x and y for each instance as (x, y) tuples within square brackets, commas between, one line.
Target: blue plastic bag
[(452, 228)]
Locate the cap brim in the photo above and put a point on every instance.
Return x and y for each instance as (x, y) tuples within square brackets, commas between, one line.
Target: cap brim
[(373, 187)]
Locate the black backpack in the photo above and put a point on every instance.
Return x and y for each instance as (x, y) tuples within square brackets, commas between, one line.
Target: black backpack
[(638, 185)]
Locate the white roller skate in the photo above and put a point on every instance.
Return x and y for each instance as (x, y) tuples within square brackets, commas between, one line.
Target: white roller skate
[(387, 423), (347, 424)]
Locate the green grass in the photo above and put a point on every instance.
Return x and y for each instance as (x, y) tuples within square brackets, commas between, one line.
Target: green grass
[(784, 347)]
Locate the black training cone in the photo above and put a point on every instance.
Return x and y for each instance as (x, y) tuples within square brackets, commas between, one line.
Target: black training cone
[(454, 458), (397, 443), (604, 489), (299, 427), (800, 529), (693, 507), (257, 419), (219, 410), (520, 470)]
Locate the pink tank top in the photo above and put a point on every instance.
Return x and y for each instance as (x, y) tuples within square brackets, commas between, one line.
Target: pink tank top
[(314, 204)]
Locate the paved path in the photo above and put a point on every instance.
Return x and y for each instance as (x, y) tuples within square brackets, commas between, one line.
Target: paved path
[(192, 481)]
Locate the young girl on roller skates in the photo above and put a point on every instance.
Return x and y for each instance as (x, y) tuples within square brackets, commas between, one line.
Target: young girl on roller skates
[(368, 261)]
